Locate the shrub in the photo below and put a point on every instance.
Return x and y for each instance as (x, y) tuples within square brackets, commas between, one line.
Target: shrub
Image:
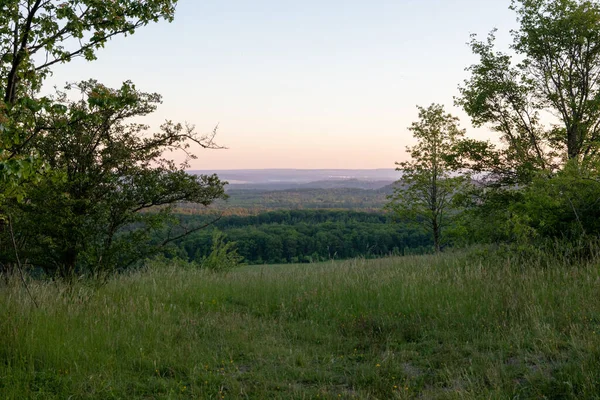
[(223, 255)]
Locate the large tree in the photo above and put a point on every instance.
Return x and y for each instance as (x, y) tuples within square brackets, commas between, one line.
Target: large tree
[(543, 97), (429, 180), (34, 36), (111, 190)]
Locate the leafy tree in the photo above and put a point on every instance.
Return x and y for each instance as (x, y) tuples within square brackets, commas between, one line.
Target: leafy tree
[(112, 189), (34, 36), (545, 105), (427, 184), (543, 98)]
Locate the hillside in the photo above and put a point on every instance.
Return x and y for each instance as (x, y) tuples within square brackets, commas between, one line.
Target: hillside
[(255, 201)]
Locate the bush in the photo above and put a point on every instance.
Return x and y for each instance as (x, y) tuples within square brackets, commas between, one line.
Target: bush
[(223, 255)]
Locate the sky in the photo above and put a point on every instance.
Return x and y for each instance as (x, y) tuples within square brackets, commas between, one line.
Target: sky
[(301, 84)]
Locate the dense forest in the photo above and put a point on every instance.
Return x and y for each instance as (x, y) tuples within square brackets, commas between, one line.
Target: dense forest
[(294, 236)]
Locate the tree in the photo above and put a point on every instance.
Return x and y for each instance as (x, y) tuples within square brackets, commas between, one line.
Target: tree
[(543, 98), (34, 36), (546, 106), (427, 185), (111, 189)]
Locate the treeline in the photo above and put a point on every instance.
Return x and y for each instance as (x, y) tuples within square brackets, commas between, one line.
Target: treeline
[(294, 236)]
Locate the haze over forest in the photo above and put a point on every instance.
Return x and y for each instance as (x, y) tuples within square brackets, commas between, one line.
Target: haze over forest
[(278, 179)]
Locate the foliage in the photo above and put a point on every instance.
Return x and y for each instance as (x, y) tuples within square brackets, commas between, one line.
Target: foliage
[(428, 182), (486, 215), (562, 207), (109, 173), (34, 36), (223, 255), (303, 236), (543, 98), (545, 105)]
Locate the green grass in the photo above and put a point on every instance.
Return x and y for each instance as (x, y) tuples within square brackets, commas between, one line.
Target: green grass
[(430, 327)]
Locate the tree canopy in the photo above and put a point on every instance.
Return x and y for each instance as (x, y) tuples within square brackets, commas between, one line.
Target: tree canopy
[(544, 96), (111, 187), (34, 36), (83, 184)]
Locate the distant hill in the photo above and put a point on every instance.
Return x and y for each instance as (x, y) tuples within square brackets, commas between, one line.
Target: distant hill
[(246, 201), (301, 175), (255, 191), (324, 184), (285, 179), (387, 189)]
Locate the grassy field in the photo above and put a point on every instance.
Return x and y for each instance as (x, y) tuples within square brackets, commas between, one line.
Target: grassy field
[(429, 327)]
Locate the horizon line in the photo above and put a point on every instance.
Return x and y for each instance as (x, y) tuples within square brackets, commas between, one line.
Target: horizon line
[(288, 169)]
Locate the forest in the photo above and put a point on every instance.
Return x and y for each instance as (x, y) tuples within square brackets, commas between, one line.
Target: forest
[(251, 201), (301, 236)]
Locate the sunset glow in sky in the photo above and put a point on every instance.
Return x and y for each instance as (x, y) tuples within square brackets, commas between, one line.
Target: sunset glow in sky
[(301, 84)]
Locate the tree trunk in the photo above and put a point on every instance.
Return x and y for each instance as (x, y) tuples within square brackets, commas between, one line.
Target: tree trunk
[(573, 148), (436, 235)]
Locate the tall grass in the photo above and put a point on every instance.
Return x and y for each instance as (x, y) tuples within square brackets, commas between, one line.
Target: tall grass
[(449, 326)]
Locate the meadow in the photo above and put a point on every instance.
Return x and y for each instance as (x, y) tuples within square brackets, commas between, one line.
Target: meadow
[(452, 326)]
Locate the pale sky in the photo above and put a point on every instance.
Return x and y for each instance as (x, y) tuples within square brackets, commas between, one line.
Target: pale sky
[(301, 84)]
